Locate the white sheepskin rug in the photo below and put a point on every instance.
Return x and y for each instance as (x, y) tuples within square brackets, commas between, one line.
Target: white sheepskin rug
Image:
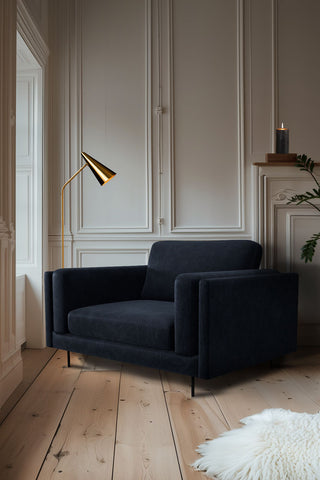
[(276, 444)]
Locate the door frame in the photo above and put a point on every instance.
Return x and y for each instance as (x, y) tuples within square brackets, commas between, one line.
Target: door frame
[(31, 36)]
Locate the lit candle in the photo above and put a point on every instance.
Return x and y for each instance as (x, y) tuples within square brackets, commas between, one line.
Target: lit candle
[(282, 139)]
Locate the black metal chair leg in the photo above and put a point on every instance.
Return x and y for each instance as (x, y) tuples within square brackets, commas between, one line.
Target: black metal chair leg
[(192, 386), (68, 358)]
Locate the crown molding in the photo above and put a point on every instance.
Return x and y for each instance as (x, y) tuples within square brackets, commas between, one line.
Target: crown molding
[(31, 35)]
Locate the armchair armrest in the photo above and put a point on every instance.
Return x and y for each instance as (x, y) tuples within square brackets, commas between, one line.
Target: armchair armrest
[(187, 306), (71, 288), (246, 320)]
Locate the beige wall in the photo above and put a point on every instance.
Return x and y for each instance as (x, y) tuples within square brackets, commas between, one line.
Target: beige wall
[(299, 72), (147, 88), (180, 97)]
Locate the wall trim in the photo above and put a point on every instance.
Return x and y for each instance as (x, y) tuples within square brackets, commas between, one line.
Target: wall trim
[(158, 112), (26, 175), (81, 251), (275, 83), (239, 227), (30, 34), (148, 227), (254, 155)]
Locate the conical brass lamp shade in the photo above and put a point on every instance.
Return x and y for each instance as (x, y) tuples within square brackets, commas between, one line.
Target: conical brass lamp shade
[(102, 173)]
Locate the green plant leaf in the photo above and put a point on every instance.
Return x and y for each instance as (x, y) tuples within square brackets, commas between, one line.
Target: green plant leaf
[(306, 164), (308, 249)]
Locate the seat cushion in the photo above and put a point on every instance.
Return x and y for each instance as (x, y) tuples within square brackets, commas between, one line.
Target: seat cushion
[(172, 257), (146, 323)]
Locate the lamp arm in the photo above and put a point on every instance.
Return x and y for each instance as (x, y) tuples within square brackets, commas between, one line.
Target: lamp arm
[(62, 212)]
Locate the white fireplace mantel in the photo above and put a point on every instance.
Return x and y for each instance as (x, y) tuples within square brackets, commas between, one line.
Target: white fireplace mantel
[(282, 229)]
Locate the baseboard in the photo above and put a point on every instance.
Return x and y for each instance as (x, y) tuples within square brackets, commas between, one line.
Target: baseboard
[(309, 334), (10, 382)]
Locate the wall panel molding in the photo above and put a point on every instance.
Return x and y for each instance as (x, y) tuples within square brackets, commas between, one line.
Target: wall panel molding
[(238, 201), (95, 256), (275, 79), (147, 226), (25, 217), (261, 87), (158, 109), (26, 115)]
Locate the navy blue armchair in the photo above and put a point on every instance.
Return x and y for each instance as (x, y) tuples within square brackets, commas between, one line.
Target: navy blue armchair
[(200, 308)]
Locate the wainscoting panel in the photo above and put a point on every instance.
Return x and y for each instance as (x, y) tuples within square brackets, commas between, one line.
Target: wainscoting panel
[(25, 110), (260, 78), (206, 111), (95, 257), (24, 216), (299, 104), (116, 114), (25, 152)]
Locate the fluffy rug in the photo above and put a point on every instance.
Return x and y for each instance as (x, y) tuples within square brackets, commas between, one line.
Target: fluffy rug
[(276, 444)]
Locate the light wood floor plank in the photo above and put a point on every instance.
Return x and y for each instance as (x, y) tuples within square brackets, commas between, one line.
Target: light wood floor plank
[(194, 420), (308, 379), (144, 447), (26, 433), (84, 445), (158, 426), (90, 363), (244, 393), (33, 361), (278, 389), (100, 364), (173, 382), (236, 395)]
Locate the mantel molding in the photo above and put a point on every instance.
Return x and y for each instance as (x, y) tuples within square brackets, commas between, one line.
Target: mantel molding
[(282, 229)]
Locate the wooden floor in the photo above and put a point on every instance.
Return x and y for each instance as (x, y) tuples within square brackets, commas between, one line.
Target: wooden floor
[(105, 420)]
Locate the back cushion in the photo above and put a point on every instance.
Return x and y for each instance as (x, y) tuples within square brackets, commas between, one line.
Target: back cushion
[(170, 258)]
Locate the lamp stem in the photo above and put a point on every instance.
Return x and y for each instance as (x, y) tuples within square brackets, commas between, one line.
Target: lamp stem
[(62, 212)]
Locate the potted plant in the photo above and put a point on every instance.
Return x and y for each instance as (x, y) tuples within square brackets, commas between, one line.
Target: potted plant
[(307, 165)]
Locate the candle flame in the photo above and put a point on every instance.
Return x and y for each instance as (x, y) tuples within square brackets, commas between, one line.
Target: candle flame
[(282, 125)]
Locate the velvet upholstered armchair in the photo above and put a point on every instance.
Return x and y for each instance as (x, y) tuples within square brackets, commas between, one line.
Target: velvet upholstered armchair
[(200, 308)]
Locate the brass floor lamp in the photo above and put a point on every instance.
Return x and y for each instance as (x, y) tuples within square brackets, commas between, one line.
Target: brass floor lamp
[(102, 173)]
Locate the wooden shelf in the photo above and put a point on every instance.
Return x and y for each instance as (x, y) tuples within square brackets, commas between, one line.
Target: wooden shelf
[(281, 157), (275, 164), (279, 164)]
